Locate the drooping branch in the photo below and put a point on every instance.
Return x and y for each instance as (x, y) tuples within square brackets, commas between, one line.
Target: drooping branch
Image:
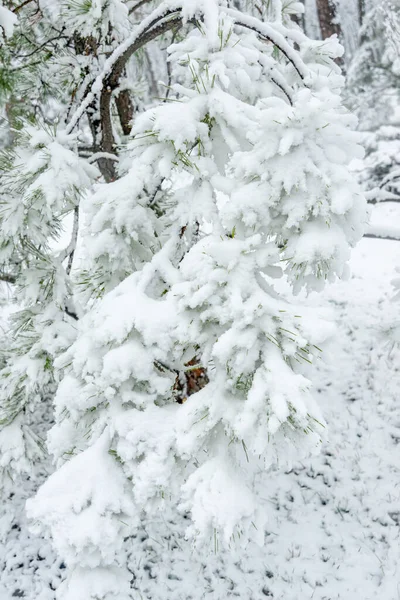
[(108, 82), (165, 18), (149, 29), (274, 36), (111, 83)]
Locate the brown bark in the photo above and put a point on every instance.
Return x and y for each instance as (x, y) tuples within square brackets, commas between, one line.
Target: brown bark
[(101, 128), (111, 83), (328, 18), (125, 111)]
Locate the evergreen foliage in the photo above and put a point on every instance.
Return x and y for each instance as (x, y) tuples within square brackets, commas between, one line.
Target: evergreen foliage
[(186, 223)]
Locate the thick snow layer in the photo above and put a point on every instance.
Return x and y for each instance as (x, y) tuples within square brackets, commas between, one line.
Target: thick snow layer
[(333, 528), (8, 21)]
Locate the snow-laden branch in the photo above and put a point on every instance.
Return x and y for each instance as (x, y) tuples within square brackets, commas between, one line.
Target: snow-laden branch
[(379, 196), (99, 155), (393, 176), (384, 233), (140, 36), (168, 16), (269, 33)]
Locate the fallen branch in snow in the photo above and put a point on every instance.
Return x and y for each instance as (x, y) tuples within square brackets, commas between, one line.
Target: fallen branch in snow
[(374, 201), (374, 236), (378, 196)]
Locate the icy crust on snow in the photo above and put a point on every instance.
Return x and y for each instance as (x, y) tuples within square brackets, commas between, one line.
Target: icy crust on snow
[(248, 187)]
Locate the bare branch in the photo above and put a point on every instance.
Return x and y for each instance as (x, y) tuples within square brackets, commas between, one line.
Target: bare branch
[(18, 8), (137, 5), (374, 236), (395, 199), (41, 46)]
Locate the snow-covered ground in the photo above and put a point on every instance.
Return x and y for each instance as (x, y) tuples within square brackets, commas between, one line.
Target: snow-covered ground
[(334, 520)]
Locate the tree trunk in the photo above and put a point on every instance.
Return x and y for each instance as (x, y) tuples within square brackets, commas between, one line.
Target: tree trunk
[(328, 22), (361, 10)]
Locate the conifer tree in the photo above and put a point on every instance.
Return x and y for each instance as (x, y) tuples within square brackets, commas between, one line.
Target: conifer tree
[(374, 84)]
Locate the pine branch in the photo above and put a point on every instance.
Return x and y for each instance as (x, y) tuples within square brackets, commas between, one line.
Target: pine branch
[(8, 278), (267, 32), (137, 5), (42, 46)]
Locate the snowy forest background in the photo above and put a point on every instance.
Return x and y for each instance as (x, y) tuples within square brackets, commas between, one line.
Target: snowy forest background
[(199, 265)]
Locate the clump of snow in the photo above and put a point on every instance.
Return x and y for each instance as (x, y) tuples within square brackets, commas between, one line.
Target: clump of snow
[(8, 21)]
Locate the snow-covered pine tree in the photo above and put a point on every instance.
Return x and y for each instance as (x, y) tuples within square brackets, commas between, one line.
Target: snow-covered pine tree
[(374, 84), (44, 172), (41, 182), (233, 181), (238, 179)]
